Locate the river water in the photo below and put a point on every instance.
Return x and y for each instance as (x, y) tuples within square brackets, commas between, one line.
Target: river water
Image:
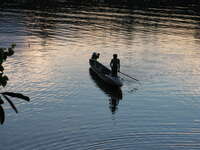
[(71, 109)]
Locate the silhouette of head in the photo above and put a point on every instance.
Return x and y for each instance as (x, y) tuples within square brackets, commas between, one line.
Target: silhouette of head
[(115, 56)]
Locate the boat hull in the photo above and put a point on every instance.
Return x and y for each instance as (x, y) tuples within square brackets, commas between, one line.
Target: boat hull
[(105, 74)]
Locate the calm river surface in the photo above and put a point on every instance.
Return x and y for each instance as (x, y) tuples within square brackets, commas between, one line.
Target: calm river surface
[(70, 109)]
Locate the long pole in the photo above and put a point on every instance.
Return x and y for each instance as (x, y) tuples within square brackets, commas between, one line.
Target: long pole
[(128, 76)]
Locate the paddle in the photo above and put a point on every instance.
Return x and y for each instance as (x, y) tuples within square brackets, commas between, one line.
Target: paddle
[(128, 76)]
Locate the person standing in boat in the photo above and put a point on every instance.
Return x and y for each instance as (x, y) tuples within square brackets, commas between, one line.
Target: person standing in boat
[(115, 65)]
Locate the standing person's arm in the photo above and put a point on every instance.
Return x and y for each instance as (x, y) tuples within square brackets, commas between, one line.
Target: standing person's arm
[(111, 63), (118, 66)]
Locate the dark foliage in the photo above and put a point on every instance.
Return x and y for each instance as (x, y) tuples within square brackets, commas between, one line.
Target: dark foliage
[(121, 3), (5, 96)]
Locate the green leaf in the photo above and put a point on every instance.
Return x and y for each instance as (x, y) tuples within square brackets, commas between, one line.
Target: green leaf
[(2, 115), (5, 56), (5, 78), (11, 103), (1, 68), (1, 101), (13, 45), (2, 49), (18, 95), (10, 52), (4, 83)]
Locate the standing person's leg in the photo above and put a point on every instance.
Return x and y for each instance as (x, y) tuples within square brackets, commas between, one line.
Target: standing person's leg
[(115, 72)]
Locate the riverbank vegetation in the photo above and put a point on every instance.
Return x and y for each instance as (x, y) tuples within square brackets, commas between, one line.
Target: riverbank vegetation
[(5, 96), (54, 3)]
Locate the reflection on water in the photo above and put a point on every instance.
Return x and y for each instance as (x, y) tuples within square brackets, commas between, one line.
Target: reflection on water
[(114, 93), (157, 44)]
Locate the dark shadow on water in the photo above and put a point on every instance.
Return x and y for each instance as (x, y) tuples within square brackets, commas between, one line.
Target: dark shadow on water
[(114, 93)]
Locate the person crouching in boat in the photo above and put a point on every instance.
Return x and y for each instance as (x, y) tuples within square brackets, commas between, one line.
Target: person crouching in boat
[(95, 56), (115, 65)]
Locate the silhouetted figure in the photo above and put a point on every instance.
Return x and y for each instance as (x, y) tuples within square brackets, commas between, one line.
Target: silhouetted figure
[(95, 56), (115, 65)]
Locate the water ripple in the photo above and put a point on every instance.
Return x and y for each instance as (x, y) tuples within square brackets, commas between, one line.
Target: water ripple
[(159, 46)]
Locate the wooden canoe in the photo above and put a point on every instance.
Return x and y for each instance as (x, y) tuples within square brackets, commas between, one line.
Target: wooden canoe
[(105, 73)]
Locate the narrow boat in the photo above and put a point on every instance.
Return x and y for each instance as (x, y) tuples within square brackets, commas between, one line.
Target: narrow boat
[(105, 73), (110, 91)]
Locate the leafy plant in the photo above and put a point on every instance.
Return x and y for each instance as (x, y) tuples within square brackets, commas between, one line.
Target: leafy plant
[(5, 96)]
